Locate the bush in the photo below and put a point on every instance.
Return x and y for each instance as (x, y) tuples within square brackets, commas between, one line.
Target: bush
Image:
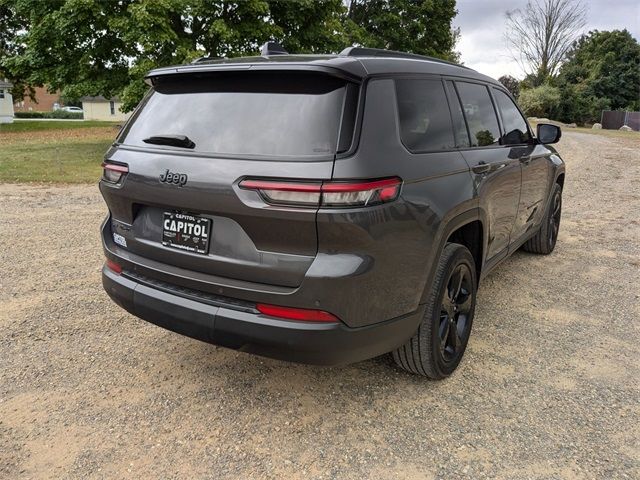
[(542, 101), (29, 114), (578, 105), (65, 114), (55, 114)]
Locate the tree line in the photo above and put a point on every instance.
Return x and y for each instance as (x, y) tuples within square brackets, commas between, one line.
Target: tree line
[(105, 47), (570, 77)]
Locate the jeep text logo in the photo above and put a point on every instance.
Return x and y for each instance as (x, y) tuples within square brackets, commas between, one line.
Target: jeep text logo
[(175, 178)]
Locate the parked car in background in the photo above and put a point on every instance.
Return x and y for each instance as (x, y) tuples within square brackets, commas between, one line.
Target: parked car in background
[(72, 109), (324, 208)]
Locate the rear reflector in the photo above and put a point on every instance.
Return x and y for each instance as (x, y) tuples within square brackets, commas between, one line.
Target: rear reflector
[(113, 172), (113, 266), (301, 314), (326, 194)]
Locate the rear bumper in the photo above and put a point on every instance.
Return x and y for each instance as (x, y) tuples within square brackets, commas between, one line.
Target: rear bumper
[(249, 331)]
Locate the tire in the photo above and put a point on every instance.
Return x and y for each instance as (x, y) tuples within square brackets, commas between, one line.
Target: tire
[(426, 353), (544, 241)]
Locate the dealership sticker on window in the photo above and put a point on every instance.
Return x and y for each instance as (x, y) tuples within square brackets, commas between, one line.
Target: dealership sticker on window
[(119, 239)]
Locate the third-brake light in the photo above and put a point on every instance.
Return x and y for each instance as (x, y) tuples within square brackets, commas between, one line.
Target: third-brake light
[(326, 194)]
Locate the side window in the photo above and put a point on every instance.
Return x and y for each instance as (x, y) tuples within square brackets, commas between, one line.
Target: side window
[(425, 122), (480, 114), (515, 126), (112, 107), (459, 127)]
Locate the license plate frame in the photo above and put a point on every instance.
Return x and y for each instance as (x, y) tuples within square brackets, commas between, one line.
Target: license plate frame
[(186, 232)]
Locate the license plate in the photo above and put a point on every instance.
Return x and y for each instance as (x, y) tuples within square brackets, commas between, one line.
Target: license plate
[(186, 232)]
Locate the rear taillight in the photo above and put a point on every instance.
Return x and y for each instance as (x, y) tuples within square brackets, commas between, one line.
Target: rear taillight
[(300, 314), (337, 194), (114, 172), (285, 193), (326, 194), (113, 266)]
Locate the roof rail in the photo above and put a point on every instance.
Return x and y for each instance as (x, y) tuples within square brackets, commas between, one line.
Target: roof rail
[(380, 52), (205, 59), (272, 48)]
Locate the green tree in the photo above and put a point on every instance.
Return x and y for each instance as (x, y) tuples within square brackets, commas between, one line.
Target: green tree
[(415, 26), (512, 84), (11, 23), (179, 31), (542, 101), (71, 45), (103, 47), (602, 71)]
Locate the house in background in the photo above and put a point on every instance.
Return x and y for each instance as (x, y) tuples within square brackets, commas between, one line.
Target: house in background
[(6, 102), (100, 108), (43, 101)]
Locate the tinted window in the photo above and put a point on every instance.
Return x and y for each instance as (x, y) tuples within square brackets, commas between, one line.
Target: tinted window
[(459, 127), (480, 114), (515, 126), (425, 121), (271, 114)]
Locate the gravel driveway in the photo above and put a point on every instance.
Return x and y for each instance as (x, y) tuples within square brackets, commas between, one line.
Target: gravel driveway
[(548, 388)]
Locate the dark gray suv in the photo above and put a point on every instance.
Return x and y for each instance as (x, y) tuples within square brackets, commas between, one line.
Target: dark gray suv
[(324, 208)]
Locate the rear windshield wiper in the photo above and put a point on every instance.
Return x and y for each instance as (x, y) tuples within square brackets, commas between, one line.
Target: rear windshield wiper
[(172, 140)]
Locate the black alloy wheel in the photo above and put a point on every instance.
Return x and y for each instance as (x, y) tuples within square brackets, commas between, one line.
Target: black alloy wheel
[(455, 309), (438, 346), (554, 218), (545, 238)]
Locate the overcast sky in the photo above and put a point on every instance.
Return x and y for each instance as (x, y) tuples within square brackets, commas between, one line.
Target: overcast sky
[(482, 27)]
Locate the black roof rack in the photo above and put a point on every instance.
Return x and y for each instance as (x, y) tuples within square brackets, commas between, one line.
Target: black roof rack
[(380, 52)]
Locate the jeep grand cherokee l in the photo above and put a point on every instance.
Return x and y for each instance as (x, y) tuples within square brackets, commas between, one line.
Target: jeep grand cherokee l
[(324, 208)]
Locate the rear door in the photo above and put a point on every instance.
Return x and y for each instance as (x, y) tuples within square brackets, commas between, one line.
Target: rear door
[(496, 173), (241, 124)]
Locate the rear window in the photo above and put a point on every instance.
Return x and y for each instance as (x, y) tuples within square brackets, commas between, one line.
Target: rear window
[(425, 121), (279, 114), (480, 114)]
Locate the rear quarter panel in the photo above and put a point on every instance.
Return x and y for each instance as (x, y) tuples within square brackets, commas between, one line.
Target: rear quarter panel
[(394, 247)]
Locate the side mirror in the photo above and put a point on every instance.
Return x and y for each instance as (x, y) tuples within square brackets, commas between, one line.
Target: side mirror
[(548, 133)]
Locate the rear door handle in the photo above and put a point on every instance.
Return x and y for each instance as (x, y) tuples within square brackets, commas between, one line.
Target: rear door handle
[(481, 167)]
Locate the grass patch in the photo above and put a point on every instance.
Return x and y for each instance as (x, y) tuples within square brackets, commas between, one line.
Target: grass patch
[(57, 162), (54, 151), (39, 125)]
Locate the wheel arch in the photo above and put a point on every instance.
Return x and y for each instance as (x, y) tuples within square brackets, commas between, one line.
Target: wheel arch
[(468, 229), (471, 235)]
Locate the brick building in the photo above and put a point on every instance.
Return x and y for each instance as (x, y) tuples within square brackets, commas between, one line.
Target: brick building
[(44, 101)]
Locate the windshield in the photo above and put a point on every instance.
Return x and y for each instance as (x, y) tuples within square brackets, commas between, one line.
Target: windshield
[(282, 114)]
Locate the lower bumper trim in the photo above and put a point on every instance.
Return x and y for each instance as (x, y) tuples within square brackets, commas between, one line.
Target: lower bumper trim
[(303, 342)]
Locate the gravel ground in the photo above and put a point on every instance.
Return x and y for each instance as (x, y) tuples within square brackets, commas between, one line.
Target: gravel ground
[(548, 387)]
